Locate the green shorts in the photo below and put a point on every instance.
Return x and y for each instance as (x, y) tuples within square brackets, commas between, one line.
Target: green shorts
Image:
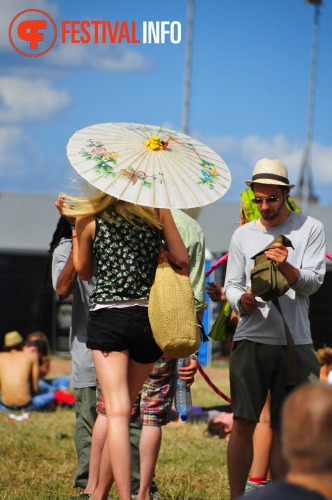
[(257, 368)]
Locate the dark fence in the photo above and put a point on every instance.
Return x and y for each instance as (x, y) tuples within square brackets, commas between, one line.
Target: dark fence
[(28, 303)]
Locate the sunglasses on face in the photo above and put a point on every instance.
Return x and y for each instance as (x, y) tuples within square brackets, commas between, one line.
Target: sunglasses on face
[(269, 201)]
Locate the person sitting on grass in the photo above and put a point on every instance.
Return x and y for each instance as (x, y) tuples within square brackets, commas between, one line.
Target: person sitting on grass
[(325, 357), (19, 375), (220, 425), (37, 342)]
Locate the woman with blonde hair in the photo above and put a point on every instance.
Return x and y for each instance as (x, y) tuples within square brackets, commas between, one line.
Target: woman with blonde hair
[(123, 240)]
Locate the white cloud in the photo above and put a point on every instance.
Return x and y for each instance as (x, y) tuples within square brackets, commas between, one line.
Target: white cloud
[(28, 100), (322, 163), (241, 154), (14, 151), (97, 57), (22, 164)]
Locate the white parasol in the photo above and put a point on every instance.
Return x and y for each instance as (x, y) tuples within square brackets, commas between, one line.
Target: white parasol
[(148, 165)]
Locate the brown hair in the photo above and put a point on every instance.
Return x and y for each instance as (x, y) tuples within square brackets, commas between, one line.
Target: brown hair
[(216, 429), (325, 355), (40, 340)]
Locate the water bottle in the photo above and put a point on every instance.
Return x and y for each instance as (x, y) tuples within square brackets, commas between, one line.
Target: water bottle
[(182, 396)]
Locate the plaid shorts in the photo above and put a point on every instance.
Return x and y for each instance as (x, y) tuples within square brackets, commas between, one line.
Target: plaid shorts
[(154, 402)]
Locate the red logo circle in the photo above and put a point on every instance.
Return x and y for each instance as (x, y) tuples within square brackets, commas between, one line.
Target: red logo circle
[(36, 33)]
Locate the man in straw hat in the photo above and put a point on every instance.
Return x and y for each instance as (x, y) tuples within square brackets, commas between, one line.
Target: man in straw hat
[(258, 361)]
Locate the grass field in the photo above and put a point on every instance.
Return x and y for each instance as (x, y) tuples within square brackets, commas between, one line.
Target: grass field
[(38, 459)]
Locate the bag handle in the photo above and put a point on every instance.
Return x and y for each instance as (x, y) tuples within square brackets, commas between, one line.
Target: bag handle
[(290, 377), (178, 266)]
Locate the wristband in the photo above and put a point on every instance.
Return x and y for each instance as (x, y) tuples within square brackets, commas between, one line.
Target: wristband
[(74, 236)]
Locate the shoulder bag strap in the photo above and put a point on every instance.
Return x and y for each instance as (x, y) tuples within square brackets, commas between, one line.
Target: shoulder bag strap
[(290, 381)]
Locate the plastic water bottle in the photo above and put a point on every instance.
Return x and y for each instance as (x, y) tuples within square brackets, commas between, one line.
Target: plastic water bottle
[(182, 397)]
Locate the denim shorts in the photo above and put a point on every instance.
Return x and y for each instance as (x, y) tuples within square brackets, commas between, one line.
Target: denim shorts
[(154, 402), (258, 368), (123, 328)]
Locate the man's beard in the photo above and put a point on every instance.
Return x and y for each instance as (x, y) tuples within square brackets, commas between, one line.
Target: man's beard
[(275, 213)]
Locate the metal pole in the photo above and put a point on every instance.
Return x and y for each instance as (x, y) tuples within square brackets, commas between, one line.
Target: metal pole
[(305, 184), (187, 75)]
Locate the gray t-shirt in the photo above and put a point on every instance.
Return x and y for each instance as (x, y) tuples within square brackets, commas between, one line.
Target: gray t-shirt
[(83, 372), (265, 324)]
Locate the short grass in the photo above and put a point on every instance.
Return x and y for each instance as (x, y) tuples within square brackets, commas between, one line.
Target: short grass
[(38, 458)]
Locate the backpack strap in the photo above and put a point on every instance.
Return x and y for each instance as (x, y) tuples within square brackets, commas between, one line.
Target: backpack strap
[(290, 375)]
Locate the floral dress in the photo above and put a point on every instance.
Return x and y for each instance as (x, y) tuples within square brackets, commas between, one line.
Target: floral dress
[(126, 255)]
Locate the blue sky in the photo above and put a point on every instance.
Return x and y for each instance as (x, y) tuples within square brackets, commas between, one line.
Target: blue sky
[(249, 94)]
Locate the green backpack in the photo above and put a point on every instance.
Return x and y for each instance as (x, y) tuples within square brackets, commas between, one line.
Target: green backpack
[(267, 282)]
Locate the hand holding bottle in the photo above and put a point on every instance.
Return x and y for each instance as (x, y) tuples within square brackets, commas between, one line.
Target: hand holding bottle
[(187, 371), (182, 396)]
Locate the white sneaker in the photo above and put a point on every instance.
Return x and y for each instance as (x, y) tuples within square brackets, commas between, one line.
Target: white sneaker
[(252, 486)]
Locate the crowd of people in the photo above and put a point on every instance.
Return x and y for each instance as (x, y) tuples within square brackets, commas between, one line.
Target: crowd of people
[(105, 253)]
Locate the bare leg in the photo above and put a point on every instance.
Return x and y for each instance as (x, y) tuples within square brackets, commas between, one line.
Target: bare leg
[(278, 465), (100, 471), (111, 372), (239, 455), (120, 381), (262, 443), (149, 450), (106, 478)]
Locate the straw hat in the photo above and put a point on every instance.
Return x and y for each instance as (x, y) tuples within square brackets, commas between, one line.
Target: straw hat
[(268, 171), (13, 339)]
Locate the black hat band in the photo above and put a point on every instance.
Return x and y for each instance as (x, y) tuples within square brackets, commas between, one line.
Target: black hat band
[(270, 176)]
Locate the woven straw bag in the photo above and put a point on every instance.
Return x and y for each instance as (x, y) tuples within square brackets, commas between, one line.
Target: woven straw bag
[(172, 311)]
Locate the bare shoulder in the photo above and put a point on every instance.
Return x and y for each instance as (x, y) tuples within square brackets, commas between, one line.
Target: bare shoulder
[(165, 216), (85, 221), (28, 357), (86, 225), (3, 356)]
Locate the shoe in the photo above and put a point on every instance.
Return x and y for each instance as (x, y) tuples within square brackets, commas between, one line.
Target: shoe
[(153, 496), (81, 496), (252, 486)]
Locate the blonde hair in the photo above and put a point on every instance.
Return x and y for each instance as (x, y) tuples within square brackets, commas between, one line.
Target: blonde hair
[(84, 206), (243, 214)]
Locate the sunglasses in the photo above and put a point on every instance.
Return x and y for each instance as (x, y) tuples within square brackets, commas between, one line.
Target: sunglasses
[(269, 201)]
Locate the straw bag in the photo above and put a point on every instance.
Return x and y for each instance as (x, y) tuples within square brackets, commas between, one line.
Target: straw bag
[(171, 309)]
